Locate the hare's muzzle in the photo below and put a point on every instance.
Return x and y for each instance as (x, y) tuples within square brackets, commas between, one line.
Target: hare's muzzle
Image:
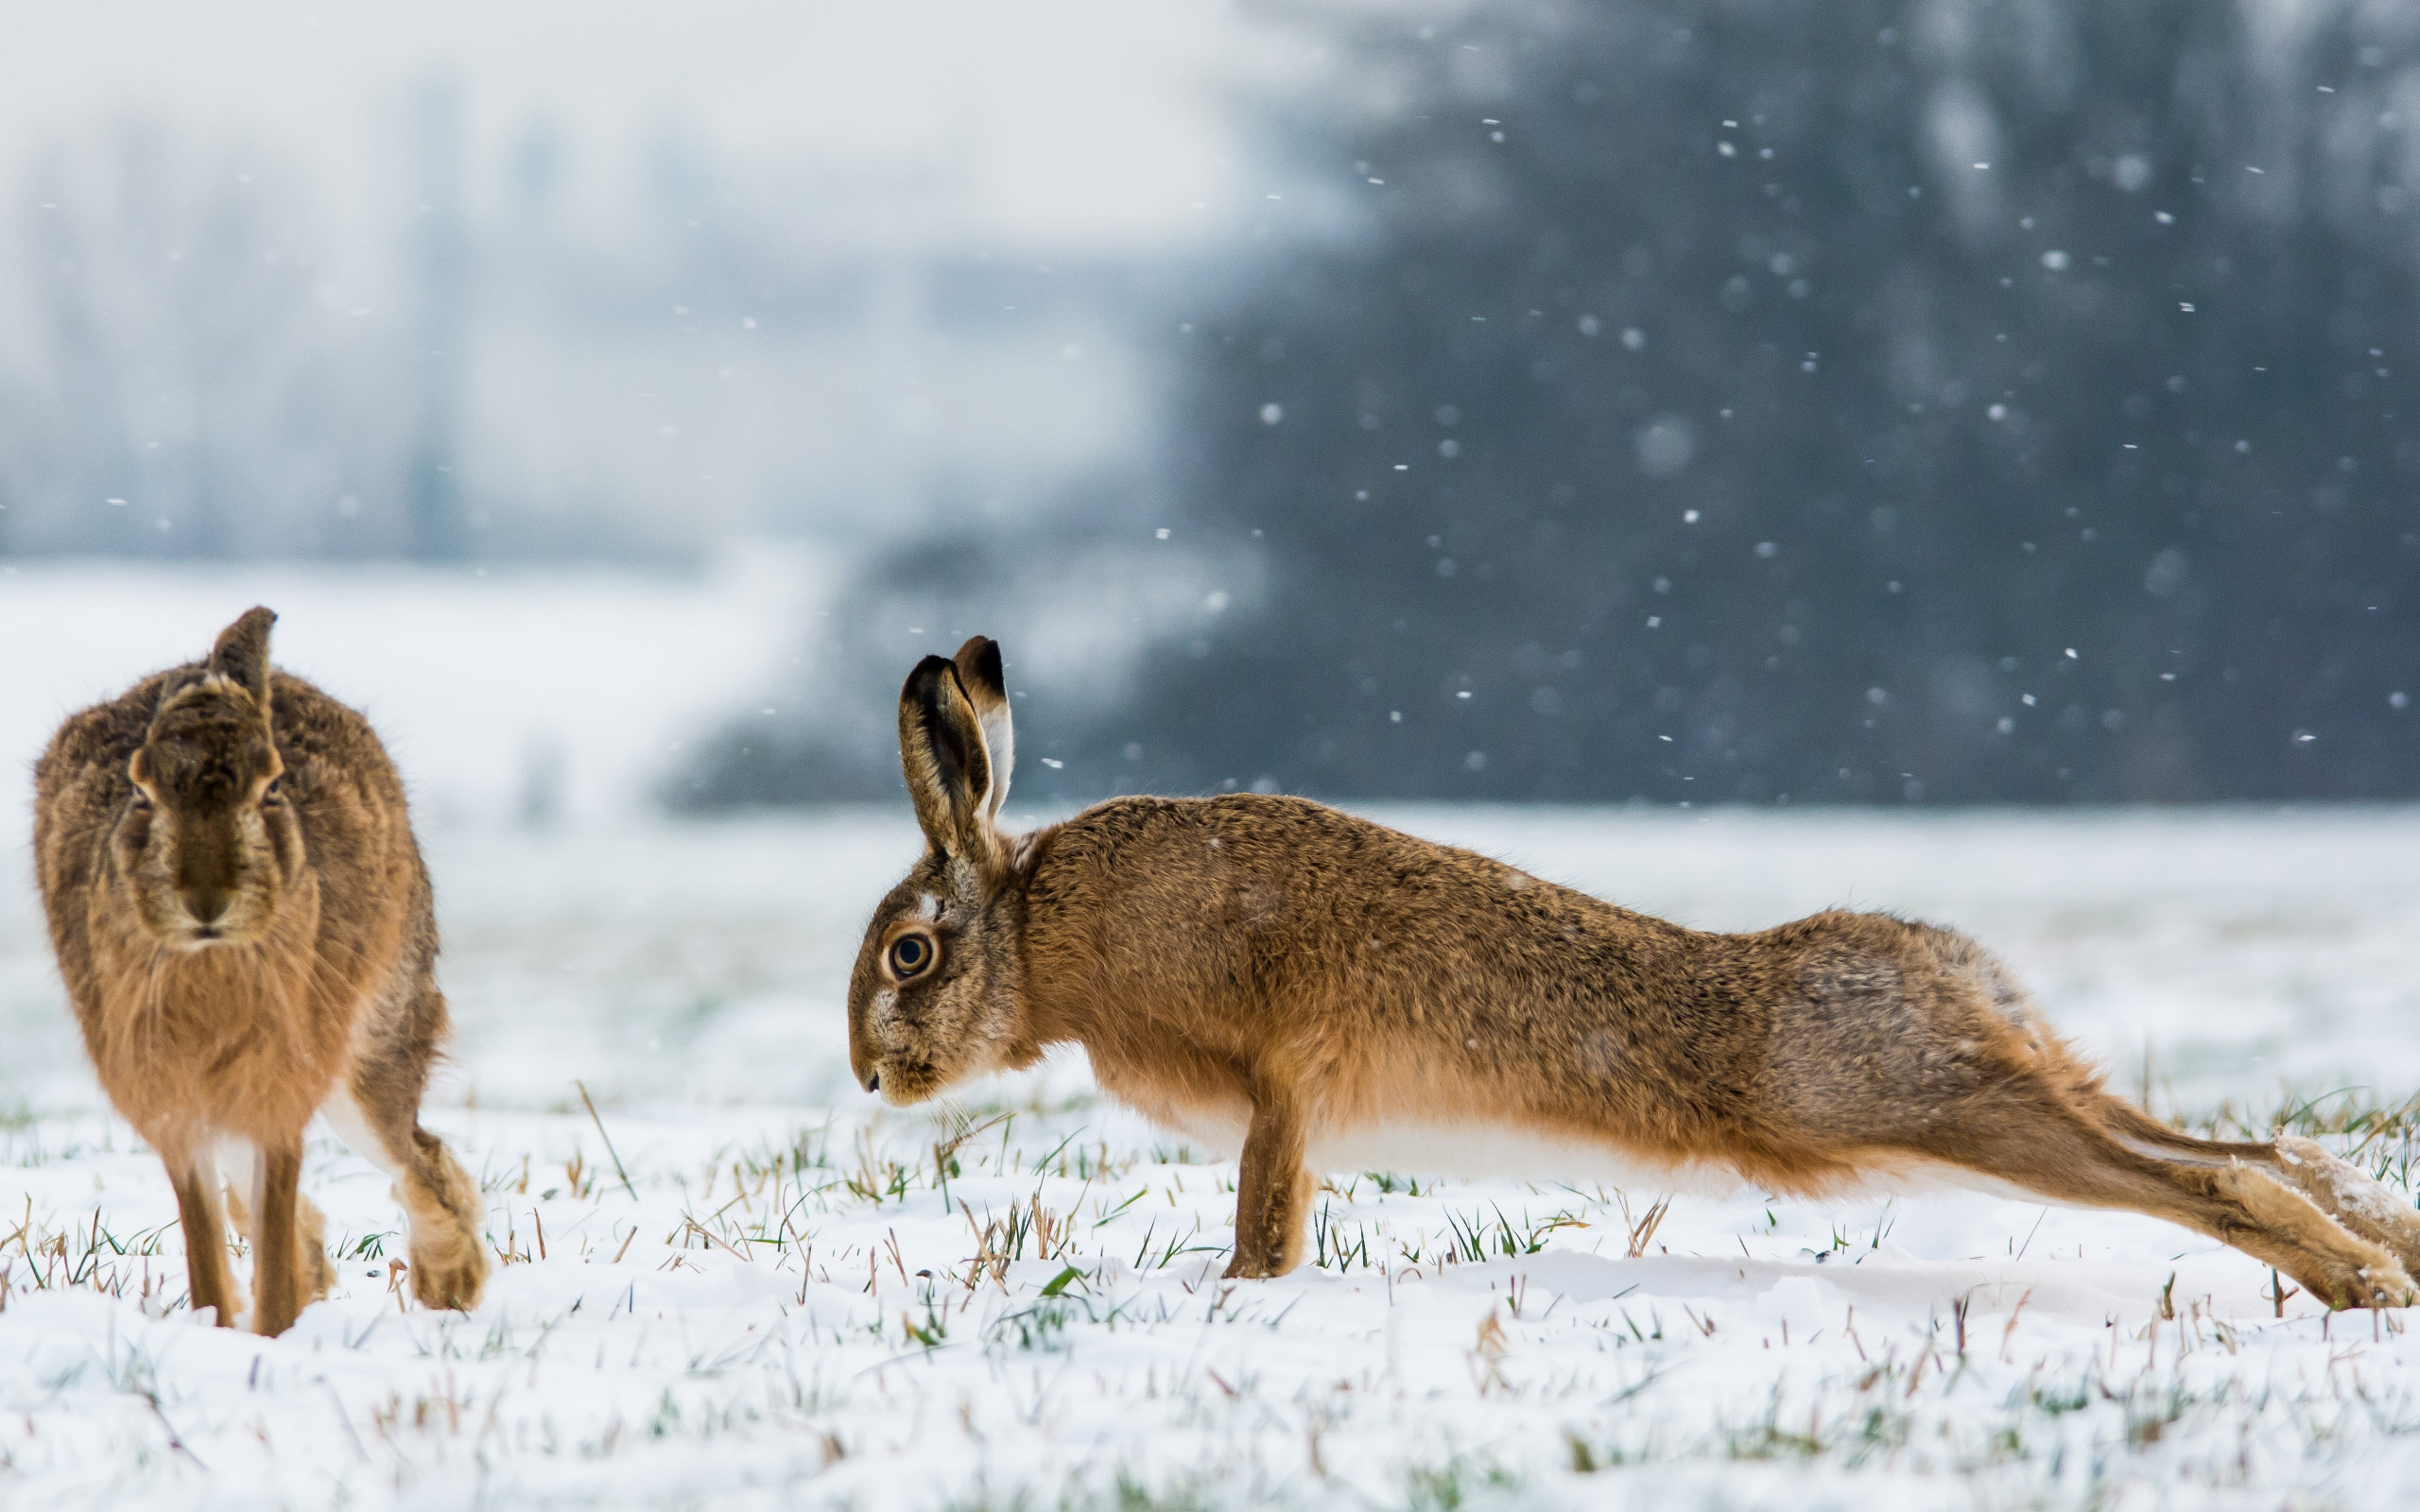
[(206, 906), (207, 874)]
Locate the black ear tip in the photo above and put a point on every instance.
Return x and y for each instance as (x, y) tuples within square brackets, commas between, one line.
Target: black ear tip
[(922, 678), (978, 665)]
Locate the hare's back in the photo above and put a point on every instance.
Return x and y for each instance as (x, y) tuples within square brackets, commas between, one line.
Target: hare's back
[(317, 729), (356, 817), (100, 739)]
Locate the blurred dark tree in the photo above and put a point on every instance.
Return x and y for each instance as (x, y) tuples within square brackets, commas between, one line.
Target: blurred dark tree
[(1739, 401)]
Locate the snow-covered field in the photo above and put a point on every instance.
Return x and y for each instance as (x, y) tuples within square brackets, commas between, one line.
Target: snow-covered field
[(796, 1297), (768, 1291)]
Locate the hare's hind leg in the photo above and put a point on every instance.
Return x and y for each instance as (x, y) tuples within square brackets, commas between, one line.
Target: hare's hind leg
[(441, 1204), (208, 1281), (377, 1112), (2034, 1139), (2359, 1202), (449, 1263)]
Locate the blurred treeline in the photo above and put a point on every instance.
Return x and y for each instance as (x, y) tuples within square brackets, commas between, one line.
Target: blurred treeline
[(1748, 401)]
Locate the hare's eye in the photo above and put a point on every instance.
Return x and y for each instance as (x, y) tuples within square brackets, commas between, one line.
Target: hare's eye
[(909, 955), (141, 800), (275, 792)]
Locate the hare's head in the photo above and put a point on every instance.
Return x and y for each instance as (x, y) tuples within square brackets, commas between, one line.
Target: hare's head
[(935, 996), (207, 843)]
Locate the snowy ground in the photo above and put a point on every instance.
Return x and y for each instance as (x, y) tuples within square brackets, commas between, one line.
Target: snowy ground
[(770, 1292)]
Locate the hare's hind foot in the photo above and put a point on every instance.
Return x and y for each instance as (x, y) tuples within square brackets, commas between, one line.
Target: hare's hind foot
[(2384, 1286), (2363, 1204), (449, 1276), (2273, 1221), (443, 1206)]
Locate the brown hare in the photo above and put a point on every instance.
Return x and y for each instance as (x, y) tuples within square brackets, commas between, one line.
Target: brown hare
[(1320, 993), (245, 926)]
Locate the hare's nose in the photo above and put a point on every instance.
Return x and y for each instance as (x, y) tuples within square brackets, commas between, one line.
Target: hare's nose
[(874, 1083), (206, 904)]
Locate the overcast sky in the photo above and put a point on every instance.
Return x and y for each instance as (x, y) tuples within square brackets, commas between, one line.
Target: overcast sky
[(1071, 124)]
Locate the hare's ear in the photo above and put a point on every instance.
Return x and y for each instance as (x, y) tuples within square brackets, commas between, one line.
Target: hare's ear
[(241, 655), (978, 674), (948, 766)]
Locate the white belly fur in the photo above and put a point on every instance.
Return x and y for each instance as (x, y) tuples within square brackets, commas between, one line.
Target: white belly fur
[(1463, 1148), (345, 1118), (1216, 1132), (1471, 1148), (239, 1168), (1475, 1150), (1481, 1149)]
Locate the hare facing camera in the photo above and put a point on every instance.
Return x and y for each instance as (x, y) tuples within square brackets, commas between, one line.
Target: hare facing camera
[(245, 930), (1270, 976)]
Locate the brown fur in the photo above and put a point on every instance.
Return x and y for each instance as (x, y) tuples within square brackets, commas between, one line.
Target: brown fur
[(1277, 965), (246, 930)]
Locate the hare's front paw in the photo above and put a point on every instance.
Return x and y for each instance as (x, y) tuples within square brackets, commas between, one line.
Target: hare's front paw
[(1260, 1262)]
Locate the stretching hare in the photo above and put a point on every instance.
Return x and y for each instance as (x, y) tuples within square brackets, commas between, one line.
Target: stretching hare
[(244, 923), (1324, 993)]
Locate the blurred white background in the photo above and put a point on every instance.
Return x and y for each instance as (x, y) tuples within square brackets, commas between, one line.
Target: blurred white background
[(550, 279)]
